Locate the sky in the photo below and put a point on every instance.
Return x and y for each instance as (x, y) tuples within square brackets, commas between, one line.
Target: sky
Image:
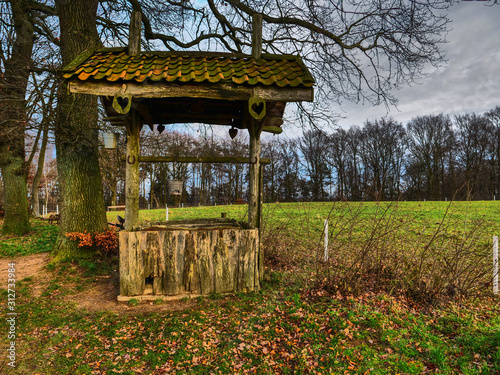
[(469, 82)]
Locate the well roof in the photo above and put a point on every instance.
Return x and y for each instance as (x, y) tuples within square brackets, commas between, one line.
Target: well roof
[(115, 65)]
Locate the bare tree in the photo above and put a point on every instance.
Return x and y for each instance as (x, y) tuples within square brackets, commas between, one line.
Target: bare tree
[(383, 145), (473, 139), (493, 117), (16, 61), (313, 146), (338, 155), (430, 139)]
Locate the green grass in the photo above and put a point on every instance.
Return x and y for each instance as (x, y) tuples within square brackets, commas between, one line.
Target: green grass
[(296, 215), (266, 332), (288, 327), (41, 239)]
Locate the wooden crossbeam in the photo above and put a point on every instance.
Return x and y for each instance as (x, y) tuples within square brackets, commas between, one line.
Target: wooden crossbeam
[(197, 159), (226, 91)]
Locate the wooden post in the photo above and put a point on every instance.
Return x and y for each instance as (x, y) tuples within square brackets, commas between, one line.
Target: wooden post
[(134, 34), (261, 195), (495, 264), (132, 172), (254, 130), (257, 36)]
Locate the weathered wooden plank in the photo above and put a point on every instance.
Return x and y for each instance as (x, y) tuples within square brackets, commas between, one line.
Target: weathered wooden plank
[(245, 266), (134, 38), (223, 264), (203, 241), (257, 36), (180, 259), (217, 91), (132, 173), (160, 265), (191, 274), (132, 273), (124, 266), (254, 174), (170, 278), (272, 129)]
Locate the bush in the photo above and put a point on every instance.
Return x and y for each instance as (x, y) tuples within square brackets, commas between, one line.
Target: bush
[(386, 248), (411, 254), (106, 243)]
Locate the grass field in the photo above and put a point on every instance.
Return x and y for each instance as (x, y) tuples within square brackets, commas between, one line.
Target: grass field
[(297, 323)]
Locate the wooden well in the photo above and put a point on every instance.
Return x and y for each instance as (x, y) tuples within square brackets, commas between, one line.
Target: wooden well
[(212, 88), (182, 259)]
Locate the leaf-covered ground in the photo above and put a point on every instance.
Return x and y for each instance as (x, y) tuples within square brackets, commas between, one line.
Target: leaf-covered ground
[(278, 330), (288, 327)]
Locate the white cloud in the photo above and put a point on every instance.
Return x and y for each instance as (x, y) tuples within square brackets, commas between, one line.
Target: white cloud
[(469, 83)]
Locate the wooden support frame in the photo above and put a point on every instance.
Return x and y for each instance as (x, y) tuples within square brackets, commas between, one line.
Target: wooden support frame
[(256, 183), (132, 172), (254, 196), (198, 159), (227, 91)]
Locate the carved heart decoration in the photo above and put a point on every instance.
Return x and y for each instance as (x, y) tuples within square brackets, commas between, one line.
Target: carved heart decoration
[(257, 108), (233, 132), (122, 103)]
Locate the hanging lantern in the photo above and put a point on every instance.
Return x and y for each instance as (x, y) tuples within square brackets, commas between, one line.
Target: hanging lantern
[(110, 140)]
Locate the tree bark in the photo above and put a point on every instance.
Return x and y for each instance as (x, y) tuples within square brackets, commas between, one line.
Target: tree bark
[(76, 133), (13, 121)]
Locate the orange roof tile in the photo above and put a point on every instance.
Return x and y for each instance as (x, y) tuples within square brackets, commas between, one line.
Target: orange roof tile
[(114, 64)]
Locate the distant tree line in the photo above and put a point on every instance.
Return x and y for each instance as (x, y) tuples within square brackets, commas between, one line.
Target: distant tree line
[(433, 157)]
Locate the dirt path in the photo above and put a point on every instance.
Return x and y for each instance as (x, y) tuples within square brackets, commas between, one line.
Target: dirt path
[(101, 295), (27, 266)]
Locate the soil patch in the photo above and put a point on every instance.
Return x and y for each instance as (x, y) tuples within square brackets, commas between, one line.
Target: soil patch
[(100, 295), (27, 266)]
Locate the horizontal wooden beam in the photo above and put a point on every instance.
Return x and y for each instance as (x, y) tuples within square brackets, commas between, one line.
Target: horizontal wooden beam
[(197, 159), (272, 129), (224, 91)]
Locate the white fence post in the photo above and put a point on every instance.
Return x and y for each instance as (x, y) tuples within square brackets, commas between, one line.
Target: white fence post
[(57, 209), (495, 264), (166, 212), (326, 241)]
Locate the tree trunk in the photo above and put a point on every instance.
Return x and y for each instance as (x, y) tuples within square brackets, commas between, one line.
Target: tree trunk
[(39, 171), (76, 132), (13, 121)]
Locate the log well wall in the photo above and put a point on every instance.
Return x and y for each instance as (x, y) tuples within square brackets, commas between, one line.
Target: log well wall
[(193, 262)]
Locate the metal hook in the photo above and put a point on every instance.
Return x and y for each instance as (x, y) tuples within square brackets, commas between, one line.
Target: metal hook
[(133, 159)]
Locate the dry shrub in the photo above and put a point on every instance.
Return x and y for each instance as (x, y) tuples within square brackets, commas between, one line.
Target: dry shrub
[(409, 254), (427, 259), (105, 243)]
